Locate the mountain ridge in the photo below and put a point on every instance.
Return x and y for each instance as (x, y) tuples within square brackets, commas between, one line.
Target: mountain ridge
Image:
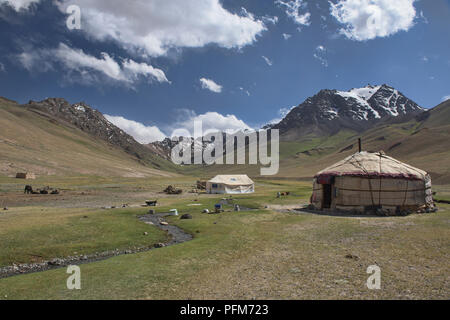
[(52, 137), (330, 111), (94, 123)]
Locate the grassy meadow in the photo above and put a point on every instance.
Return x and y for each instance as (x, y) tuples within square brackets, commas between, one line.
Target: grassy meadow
[(269, 252)]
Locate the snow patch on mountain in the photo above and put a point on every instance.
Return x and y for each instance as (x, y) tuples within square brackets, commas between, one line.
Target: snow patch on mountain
[(79, 108), (367, 92), (361, 96)]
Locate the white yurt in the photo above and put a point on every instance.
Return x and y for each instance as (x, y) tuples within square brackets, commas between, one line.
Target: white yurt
[(366, 182), (230, 184)]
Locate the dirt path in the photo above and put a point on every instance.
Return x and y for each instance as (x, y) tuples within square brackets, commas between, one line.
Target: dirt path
[(176, 236)]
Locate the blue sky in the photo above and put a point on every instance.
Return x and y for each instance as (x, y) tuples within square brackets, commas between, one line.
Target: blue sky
[(155, 65)]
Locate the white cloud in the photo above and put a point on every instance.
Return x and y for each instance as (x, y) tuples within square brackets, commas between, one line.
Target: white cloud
[(140, 132), (35, 60), (88, 67), (268, 61), (245, 91), (321, 55), (424, 19), (282, 113), (211, 122), (210, 85), (368, 19), (184, 126), (269, 19), (76, 59), (293, 8), (152, 27), (19, 4), (2, 67), (286, 36), (445, 98), (144, 69)]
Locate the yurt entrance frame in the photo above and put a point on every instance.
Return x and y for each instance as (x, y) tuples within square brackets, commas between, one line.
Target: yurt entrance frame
[(327, 196), (327, 183)]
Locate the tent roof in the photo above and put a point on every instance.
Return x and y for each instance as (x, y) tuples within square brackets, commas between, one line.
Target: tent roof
[(366, 164), (232, 180)]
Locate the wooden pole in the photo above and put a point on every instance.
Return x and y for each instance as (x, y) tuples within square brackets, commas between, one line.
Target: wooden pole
[(359, 145)]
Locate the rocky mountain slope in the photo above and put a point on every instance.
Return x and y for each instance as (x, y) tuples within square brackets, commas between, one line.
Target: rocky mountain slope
[(55, 138), (92, 122), (331, 111), (422, 140)]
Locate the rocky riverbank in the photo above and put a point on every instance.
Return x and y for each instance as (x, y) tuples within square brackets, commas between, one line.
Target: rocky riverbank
[(175, 235)]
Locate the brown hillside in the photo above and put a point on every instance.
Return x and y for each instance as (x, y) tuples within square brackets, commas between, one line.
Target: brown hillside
[(37, 143)]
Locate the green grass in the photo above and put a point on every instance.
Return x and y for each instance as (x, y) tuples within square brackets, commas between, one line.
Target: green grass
[(38, 234), (262, 254)]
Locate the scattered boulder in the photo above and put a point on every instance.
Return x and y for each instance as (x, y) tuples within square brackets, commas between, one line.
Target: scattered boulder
[(173, 190), (5, 208), (205, 211), (56, 262), (201, 185), (145, 233), (159, 245), (186, 216), (163, 223), (352, 257)]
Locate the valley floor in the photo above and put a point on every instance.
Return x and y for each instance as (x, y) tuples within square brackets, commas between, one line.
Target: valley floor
[(271, 252)]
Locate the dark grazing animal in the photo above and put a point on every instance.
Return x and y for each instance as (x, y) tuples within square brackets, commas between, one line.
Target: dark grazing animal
[(28, 190)]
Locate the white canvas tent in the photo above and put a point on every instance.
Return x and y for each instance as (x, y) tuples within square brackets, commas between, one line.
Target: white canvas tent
[(230, 184)]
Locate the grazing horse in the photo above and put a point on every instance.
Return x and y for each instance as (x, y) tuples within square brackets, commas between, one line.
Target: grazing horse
[(28, 189)]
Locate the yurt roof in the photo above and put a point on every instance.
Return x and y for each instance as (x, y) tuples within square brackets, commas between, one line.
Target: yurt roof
[(366, 164), (232, 180)]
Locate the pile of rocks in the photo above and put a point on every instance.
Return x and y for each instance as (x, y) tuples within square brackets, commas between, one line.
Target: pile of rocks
[(173, 190)]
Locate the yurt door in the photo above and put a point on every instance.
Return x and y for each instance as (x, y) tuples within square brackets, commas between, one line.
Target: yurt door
[(327, 189)]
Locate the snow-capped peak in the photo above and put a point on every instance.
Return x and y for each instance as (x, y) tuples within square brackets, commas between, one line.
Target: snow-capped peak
[(361, 96), (360, 93), (80, 108), (367, 92)]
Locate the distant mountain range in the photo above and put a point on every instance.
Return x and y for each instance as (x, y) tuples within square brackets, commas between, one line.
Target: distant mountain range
[(56, 137), (331, 111)]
